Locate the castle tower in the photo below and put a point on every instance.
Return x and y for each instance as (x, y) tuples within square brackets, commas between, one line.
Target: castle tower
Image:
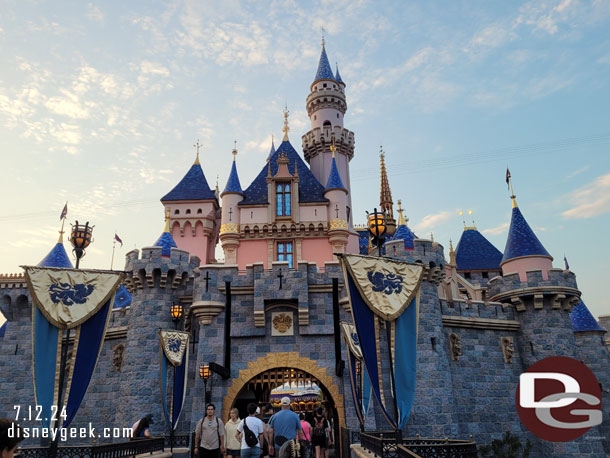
[(229, 227), (326, 106), (336, 193), (523, 251), (193, 207), (476, 259), (385, 197)]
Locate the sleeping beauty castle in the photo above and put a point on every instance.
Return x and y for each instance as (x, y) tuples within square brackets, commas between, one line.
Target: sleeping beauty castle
[(267, 320)]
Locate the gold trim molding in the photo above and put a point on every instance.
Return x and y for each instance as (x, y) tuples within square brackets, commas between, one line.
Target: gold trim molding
[(335, 224), (229, 227)]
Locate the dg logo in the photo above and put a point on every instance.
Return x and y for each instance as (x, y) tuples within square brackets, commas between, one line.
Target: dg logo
[(559, 399)]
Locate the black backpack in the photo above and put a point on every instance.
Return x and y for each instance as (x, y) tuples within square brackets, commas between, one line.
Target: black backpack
[(251, 439), (319, 430)]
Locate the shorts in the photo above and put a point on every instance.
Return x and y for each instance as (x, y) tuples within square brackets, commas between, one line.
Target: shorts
[(233, 452)]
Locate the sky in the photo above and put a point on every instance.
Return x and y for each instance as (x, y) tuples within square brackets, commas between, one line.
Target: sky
[(101, 104)]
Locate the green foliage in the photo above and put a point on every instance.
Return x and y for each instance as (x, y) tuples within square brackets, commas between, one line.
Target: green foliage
[(508, 447)]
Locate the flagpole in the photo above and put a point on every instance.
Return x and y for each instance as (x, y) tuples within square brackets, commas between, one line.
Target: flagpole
[(112, 260)]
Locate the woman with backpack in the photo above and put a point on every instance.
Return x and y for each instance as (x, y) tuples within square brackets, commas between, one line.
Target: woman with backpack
[(319, 435)]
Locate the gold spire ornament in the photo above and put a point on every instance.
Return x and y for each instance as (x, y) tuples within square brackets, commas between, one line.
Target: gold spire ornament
[(197, 146), (451, 253), (333, 148), (509, 182), (167, 220), (234, 152), (402, 220), (286, 128)]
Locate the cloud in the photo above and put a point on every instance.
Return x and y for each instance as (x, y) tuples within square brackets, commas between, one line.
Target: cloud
[(432, 220), (68, 105), (577, 172), (94, 13), (590, 200), (153, 68), (496, 230)]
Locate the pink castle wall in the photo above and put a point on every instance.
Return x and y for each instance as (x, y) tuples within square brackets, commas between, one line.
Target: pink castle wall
[(317, 250), (522, 265), (251, 251), (197, 245)]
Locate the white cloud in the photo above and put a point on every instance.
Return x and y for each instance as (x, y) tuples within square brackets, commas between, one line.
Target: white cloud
[(432, 220), (67, 106), (590, 200), (496, 230), (153, 68), (94, 13), (578, 172)]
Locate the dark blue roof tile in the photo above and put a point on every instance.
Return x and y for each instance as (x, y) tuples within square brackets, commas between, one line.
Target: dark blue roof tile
[(233, 184), (334, 179), (363, 240), (475, 252), (404, 233), (122, 298), (57, 257), (192, 187), (310, 189), (582, 320), (324, 71), (166, 242), (521, 239), (338, 77)]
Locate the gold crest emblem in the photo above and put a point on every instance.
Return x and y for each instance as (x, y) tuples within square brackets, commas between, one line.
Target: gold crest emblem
[(282, 322)]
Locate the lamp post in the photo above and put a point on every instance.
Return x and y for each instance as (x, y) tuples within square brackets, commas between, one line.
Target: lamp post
[(377, 227), (204, 374), (81, 237), (175, 311)]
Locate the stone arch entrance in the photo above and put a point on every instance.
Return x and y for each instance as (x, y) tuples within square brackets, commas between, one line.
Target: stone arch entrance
[(286, 360)]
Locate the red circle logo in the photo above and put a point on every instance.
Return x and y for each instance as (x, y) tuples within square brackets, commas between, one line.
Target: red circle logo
[(559, 399)]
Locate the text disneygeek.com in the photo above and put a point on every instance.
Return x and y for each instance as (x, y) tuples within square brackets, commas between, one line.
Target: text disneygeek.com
[(70, 433)]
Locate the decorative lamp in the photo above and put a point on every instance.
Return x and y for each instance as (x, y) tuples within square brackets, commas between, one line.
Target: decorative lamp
[(81, 238), (204, 372), (176, 311), (376, 224)]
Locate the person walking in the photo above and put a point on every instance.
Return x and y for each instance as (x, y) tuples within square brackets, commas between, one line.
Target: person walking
[(10, 436), (232, 443), (306, 430), (319, 436), (209, 435), (250, 429), (285, 425)]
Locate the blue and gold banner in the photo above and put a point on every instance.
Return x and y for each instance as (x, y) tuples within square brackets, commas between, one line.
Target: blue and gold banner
[(388, 290), (360, 384), (173, 351), (80, 300)]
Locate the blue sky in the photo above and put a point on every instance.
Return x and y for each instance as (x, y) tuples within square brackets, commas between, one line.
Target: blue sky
[(100, 104)]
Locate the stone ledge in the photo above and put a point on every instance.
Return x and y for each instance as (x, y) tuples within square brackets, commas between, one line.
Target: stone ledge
[(324, 288), (116, 333), (481, 323), (532, 290), (238, 290)]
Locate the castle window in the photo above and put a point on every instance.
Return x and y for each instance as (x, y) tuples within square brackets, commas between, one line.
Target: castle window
[(188, 211), (199, 211), (315, 117), (327, 124), (485, 274), (337, 115), (325, 85), (284, 252), (283, 204), (176, 212), (467, 275)]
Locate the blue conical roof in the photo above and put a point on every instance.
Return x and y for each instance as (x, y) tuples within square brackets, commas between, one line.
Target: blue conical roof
[(310, 189), (272, 151), (582, 320), (521, 239), (166, 242), (192, 187), (57, 257), (334, 179), (363, 240), (475, 252), (122, 298), (338, 76), (233, 184), (404, 233), (324, 71)]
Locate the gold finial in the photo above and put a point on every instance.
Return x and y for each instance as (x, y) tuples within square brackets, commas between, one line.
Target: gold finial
[(431, 236), (401, 218), (197, 145), (332, 146), (286, 128), (167, 220), (64, 215), (509, 182), (474, 226), (463, 219), (234, 150)]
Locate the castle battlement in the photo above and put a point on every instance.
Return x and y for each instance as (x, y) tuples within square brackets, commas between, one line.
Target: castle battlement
[(153, 269)]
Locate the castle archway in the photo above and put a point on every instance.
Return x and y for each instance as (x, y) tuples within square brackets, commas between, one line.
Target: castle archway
[(271, 364)]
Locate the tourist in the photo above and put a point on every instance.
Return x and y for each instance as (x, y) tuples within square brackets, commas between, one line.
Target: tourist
[(135, 432), (306, 430), (210, 435), (10, 436), (321, 433), (255, 425), (233, 442), (267, 414), (284, 425)]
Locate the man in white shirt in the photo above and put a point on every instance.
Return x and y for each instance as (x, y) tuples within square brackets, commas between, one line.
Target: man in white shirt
[(256, 426)]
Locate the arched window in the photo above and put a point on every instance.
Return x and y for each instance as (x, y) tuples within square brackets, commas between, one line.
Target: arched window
[(327, 124), (283, 204), (188, 211), (176, 212), (199, 211)]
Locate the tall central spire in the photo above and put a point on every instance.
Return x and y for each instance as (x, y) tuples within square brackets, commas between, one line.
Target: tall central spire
[(385, 196), (286, 128)]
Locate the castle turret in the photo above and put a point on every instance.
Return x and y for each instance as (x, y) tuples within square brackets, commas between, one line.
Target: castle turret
[(165, 240), (193, 207), (229, 227), (336, 193), (326, 106), (523, 251), (476, 259)]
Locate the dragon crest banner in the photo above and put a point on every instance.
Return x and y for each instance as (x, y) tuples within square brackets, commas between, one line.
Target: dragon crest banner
[(174, 344), (69, 297), (387, 286)]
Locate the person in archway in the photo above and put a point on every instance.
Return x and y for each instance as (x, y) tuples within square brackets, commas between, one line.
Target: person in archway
[(306, 430), (285, 425), (210, 435), (320, 437)]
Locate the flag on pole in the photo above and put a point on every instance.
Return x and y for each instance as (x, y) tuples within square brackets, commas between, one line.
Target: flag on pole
[(565, 260), (118, 239), (64, 212), (507, 177)]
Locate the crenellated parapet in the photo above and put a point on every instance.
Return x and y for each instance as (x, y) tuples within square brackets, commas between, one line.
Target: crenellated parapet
[(12, 281), (426, 252), (559, 291), (318, 140), (152, 270)]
